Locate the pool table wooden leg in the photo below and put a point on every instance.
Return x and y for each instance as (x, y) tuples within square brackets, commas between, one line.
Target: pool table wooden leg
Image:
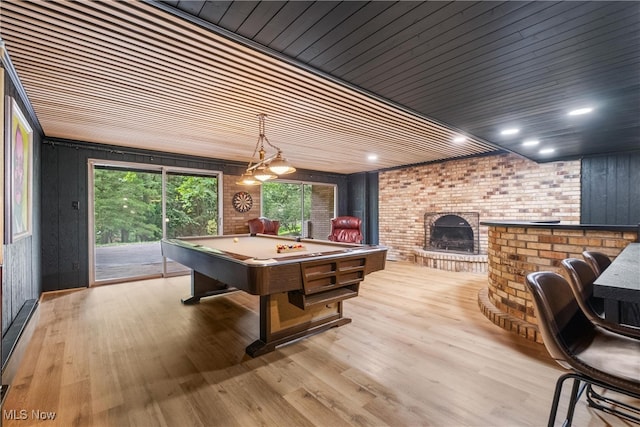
[(282, 322), (203, 286)]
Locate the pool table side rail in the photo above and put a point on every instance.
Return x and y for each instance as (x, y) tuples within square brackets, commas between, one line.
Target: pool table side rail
[(261, 279), (227, 270)]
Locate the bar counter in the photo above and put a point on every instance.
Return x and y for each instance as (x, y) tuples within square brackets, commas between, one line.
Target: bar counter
[(619, 287), (517, 248)]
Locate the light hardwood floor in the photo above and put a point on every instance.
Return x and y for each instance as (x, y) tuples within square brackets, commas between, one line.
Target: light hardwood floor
[(418, 353)]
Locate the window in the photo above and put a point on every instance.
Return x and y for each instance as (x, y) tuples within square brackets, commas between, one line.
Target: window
[(303, 209)]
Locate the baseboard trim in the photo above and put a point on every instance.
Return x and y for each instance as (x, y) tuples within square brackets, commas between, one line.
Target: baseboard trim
[(16, 340)]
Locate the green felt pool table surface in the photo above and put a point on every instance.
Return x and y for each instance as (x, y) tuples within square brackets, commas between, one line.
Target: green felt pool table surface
[(263, 248)]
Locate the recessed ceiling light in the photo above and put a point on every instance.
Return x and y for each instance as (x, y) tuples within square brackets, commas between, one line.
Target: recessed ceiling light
[(372, 157), (530, 142), (512, 131), (580, 111), (547, 151), (459, 139)]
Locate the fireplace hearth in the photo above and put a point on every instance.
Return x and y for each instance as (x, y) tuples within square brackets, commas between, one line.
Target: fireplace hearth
[(455, 232)]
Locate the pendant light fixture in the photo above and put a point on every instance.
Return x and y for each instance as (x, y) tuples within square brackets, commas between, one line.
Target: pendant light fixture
[(265, 168)]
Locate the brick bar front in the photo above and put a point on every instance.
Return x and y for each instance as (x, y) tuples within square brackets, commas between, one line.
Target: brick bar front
[(516, 249)]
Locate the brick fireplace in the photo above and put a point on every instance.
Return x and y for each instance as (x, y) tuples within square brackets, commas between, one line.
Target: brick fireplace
[(497, 187), (451, 242), (453, 232)]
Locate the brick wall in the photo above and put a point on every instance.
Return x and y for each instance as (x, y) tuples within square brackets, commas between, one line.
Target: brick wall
[(500, 187), (517, 251), (322, 201), (236, 222)]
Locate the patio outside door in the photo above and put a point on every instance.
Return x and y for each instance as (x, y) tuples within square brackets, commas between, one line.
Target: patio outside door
[(134, 206), (191, 209), (127, 218)]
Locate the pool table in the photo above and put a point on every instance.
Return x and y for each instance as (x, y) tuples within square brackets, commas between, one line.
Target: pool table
[(301, 289)]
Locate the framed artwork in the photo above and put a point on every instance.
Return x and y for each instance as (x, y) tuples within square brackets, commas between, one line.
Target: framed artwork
[(19, 179)]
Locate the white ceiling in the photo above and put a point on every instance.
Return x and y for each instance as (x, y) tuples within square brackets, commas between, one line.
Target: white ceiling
[(132, 75)]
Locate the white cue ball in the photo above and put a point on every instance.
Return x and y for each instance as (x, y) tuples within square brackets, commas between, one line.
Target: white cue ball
[(235, 240)]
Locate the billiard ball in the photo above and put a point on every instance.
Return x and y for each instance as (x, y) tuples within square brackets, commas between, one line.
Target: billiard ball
[(235, 240)]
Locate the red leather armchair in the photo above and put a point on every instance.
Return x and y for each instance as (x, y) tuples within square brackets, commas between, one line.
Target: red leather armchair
[(347, 229), (264, 226)]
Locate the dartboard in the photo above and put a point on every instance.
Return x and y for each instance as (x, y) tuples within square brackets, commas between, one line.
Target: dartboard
[(242, 201)]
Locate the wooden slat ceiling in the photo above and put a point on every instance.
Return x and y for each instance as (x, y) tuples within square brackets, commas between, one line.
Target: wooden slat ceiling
[(338, 80)]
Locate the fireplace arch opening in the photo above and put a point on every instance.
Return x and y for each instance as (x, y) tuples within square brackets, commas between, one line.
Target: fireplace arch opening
[(452, 232)]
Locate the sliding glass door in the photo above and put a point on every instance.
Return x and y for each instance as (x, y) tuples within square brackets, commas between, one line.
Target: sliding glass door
[(134, 206), (191, 208), (127, 214)]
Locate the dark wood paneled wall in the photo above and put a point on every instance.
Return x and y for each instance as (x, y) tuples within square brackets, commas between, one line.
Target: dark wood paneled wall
[(363, 203), (21, 271), (611, 189), (65, 233), (372, 234)]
